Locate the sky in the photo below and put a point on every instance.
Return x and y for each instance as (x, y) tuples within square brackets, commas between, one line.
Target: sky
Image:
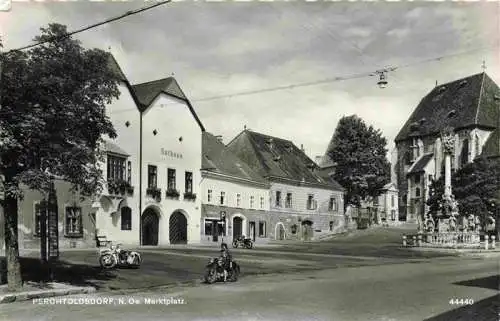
[(225, 48)]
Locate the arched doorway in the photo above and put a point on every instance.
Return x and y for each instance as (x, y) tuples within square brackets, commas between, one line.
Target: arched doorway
[(237, 227), (150, 222), (307, 230), (280, 231), (178, 228)]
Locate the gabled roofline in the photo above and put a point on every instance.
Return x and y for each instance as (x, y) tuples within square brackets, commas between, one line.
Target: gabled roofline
[(233, 177), (143, 108)]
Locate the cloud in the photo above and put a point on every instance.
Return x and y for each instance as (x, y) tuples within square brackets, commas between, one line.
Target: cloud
[(224, 48)]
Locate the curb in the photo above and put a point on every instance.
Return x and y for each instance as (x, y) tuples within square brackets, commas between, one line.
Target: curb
[(30, 295)]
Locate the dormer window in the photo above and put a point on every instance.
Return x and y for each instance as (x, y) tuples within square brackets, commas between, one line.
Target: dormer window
[(441, 89), (414, 126), (452, 113), (277, 158), (463, 83)]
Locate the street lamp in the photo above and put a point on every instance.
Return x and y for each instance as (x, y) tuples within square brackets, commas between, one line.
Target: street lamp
[(223, 221)]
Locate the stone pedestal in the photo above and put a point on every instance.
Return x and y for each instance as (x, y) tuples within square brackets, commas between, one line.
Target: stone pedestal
[(443, 225)]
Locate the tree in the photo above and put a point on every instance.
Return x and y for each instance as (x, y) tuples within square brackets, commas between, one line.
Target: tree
[(52, 123), (476, 188), (359, 153)]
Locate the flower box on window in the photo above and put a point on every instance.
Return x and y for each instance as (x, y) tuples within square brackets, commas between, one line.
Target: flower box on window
[(172, 193), (120, 187), (154, 192), (189, 196)]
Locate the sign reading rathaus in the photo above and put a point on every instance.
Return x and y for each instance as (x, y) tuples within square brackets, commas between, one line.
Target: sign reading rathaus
[(170, 153)]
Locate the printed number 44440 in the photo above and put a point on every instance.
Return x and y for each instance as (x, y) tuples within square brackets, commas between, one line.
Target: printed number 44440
[(461, 301)]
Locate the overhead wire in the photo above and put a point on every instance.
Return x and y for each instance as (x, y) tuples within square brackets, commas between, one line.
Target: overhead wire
[(92, 26), (373, 72)]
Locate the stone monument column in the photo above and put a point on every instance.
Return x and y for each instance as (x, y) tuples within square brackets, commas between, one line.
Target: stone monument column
[(448, 144)]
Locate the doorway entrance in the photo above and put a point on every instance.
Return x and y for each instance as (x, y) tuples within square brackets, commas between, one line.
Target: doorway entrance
[(150, 223), (178, 228), (251, 226), (237, 227)]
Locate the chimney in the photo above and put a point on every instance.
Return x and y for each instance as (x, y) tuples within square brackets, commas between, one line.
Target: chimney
[(302, 148), (219, 138)]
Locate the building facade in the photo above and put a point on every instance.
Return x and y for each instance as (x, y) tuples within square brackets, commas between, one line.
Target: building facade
[(76, 224), (151, 175), (470, 106), (303, 205), (152, 168), (386, 205), (235, 198)]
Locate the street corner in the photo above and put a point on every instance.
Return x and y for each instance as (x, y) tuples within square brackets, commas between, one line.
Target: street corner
[(43, 295)]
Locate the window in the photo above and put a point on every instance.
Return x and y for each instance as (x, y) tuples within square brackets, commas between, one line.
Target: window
[(408, 159), (477, 146), (332, 206), (393, 215), (188, 181), (238, 200), (288, 203), (261, 202), (331, 226), (116, 168), (208, 227), (464, 155), (417, 192), (152, 176), (415, 148), (310, 202), (222, 198), (74, 221), (251, 201), (294, 228), (39, 207), (262, 229), (416, 179), (129, 172), (209, 196), (171, 182), (126, 218), (392, 201), (278, 199)]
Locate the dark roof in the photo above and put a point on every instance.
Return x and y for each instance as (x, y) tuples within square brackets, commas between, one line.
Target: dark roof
[(111, 147), (146, 93), (461, 103), (115, 67), (217, 158), (327, 175), (419, 166), (277, 159)]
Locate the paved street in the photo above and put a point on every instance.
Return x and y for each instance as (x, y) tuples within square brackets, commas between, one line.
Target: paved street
[(185, 264), (407, 291)]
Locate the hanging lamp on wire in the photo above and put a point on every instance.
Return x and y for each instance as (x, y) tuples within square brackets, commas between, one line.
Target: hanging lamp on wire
[(382, 82)]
